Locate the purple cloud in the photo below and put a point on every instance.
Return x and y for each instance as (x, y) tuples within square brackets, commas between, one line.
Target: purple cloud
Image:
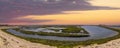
[(10, 9)]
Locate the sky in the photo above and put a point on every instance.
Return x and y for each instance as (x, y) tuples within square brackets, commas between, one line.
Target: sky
[(60, 12)]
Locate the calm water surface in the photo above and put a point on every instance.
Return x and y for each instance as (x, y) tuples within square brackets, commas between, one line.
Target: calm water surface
[(95, 33)]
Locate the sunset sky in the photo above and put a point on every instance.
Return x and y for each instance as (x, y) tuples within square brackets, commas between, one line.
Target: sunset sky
[(66, 12)]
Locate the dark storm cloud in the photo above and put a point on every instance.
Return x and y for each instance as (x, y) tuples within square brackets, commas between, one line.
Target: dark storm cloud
[(10, 9)]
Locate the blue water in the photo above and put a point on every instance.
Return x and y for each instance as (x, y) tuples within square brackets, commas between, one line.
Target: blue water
[(94, 31)]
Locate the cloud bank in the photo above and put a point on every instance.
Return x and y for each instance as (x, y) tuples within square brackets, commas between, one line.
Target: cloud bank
[(10, 9)]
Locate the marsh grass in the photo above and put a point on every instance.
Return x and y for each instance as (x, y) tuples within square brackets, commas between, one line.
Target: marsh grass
[(70, 44)]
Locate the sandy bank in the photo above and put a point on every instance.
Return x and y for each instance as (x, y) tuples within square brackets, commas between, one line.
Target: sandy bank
[(10, 41), (110, 44)]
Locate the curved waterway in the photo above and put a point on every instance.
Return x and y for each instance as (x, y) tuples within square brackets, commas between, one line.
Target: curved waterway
[(95, 32)]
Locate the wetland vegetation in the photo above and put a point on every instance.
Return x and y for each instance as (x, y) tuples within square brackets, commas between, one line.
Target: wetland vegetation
[(71, 44)]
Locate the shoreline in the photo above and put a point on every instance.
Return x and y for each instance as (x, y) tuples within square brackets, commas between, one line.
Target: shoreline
[(10, 41), (109, 44)]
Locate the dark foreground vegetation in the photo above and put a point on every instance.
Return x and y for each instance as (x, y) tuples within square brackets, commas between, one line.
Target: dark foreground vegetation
[(70, 44)]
